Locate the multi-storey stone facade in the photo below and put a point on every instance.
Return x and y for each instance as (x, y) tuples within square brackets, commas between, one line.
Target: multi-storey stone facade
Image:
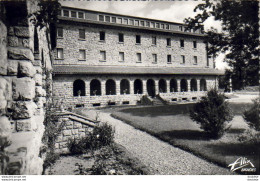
[(109, 59)]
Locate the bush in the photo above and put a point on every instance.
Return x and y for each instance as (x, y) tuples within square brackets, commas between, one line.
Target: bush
[(212, 113), (251, 115), (102, 135), (250, 136)]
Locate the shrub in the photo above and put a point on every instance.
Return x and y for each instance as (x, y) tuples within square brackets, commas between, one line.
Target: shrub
[(250, 136), (102, 135), (251, 115), (212, 113)]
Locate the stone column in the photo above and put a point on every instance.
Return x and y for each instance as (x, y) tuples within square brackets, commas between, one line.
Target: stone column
[(87, 87), (179, 85), (131, 86), (117, 87), (168, 86), (144, 87), (189, 87), (156, 82), (103, 87)]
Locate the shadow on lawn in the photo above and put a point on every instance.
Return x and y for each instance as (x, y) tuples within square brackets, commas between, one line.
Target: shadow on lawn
[(184, 134), (236, 130)]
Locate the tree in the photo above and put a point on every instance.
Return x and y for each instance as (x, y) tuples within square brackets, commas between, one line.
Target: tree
[(212, 113), (239, 38)]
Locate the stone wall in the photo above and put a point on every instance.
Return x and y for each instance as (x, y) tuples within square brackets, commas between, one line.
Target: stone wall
[(71, 45), (22, 87)]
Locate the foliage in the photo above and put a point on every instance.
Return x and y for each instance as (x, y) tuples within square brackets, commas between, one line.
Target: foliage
[(4, 158), (102, 135), (250, 136), (251, 115), (212, 113), (238, 39)]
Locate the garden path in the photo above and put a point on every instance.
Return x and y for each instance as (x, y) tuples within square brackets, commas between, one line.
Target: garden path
[(160, 157)]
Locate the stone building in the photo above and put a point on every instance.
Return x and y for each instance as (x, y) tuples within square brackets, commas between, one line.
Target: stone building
[(111, 59)]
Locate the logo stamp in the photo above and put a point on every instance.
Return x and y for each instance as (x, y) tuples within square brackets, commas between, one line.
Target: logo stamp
[(244, 164)]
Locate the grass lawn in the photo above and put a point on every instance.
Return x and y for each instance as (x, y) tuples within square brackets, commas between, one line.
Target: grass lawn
[(172, 124)]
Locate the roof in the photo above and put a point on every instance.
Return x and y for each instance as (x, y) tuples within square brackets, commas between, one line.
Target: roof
[(85, 69)]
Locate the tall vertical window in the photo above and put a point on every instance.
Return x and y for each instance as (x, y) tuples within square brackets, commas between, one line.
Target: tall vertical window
[(102, 35), (121, 37), (183, 59), (60, 53), (139, 57), (119, 20), (66, 13), (131, 22), (169, 59), (103, 55), (121, 56), (182, 43), (113, 19), (107, 18), (148, 24), (136, 22), (162, 26), (195, 59), (167, 26), (142, 23), (59, 32), (138, 39), (152, 24), (101, 18), (157, 25), (126, 21), (82, 54), (180, 28), (168, 41), (194, 44), (154, 58), (154, 40), (82, 33)]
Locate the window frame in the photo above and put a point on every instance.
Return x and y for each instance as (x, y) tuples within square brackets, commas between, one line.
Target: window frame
[(195, 60), (194, 44), (138, 37), (59, 28), (123, 56), (183, 59), (182, 44), (102, 34), (83, 30), (155, 58), (57, 54), (103, 58), (84, 57), (154, 40), (169, 58), (120, 38), (139, 58), (168, 42)]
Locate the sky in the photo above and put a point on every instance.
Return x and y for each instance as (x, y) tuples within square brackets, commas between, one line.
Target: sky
[(168, 10)]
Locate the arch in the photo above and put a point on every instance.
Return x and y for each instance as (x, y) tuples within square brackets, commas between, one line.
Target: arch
[(124, 87), (193, 85), (173, 85), (95, 87), (110, 87), (150, 84), (203, 85), (79, 88), (138, 86), (162, 86), (184, 85)]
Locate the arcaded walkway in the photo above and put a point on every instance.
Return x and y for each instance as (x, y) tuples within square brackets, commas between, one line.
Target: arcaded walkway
[(160, 157)]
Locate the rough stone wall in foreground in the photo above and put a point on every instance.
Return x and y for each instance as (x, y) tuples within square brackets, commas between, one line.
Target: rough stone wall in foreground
[(22, 89)]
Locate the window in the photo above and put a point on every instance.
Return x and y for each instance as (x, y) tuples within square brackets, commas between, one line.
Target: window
[(59, 53), (168, 41), (102, 36), (142, 23), (73, 14), (121, 37), (138, 39), (162, 26), (82, 54), (101, 18), (167, 26), (152, 24), (180, 28), (154, 58), (121, 56), (66, 13), (126, 21), (113, 19), (194, 44), (154, 40), (107, 18), (195, 59), (148, 24), (119, 20), (103, 55), (131, 22), (182, 43), (59, 32), (82, 34), (183, 59), (136, 23), (157, 25), (80, 15), (139, 57), (169, 59)]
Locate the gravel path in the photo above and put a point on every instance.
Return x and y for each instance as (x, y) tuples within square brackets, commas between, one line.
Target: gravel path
[(160, 157)]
